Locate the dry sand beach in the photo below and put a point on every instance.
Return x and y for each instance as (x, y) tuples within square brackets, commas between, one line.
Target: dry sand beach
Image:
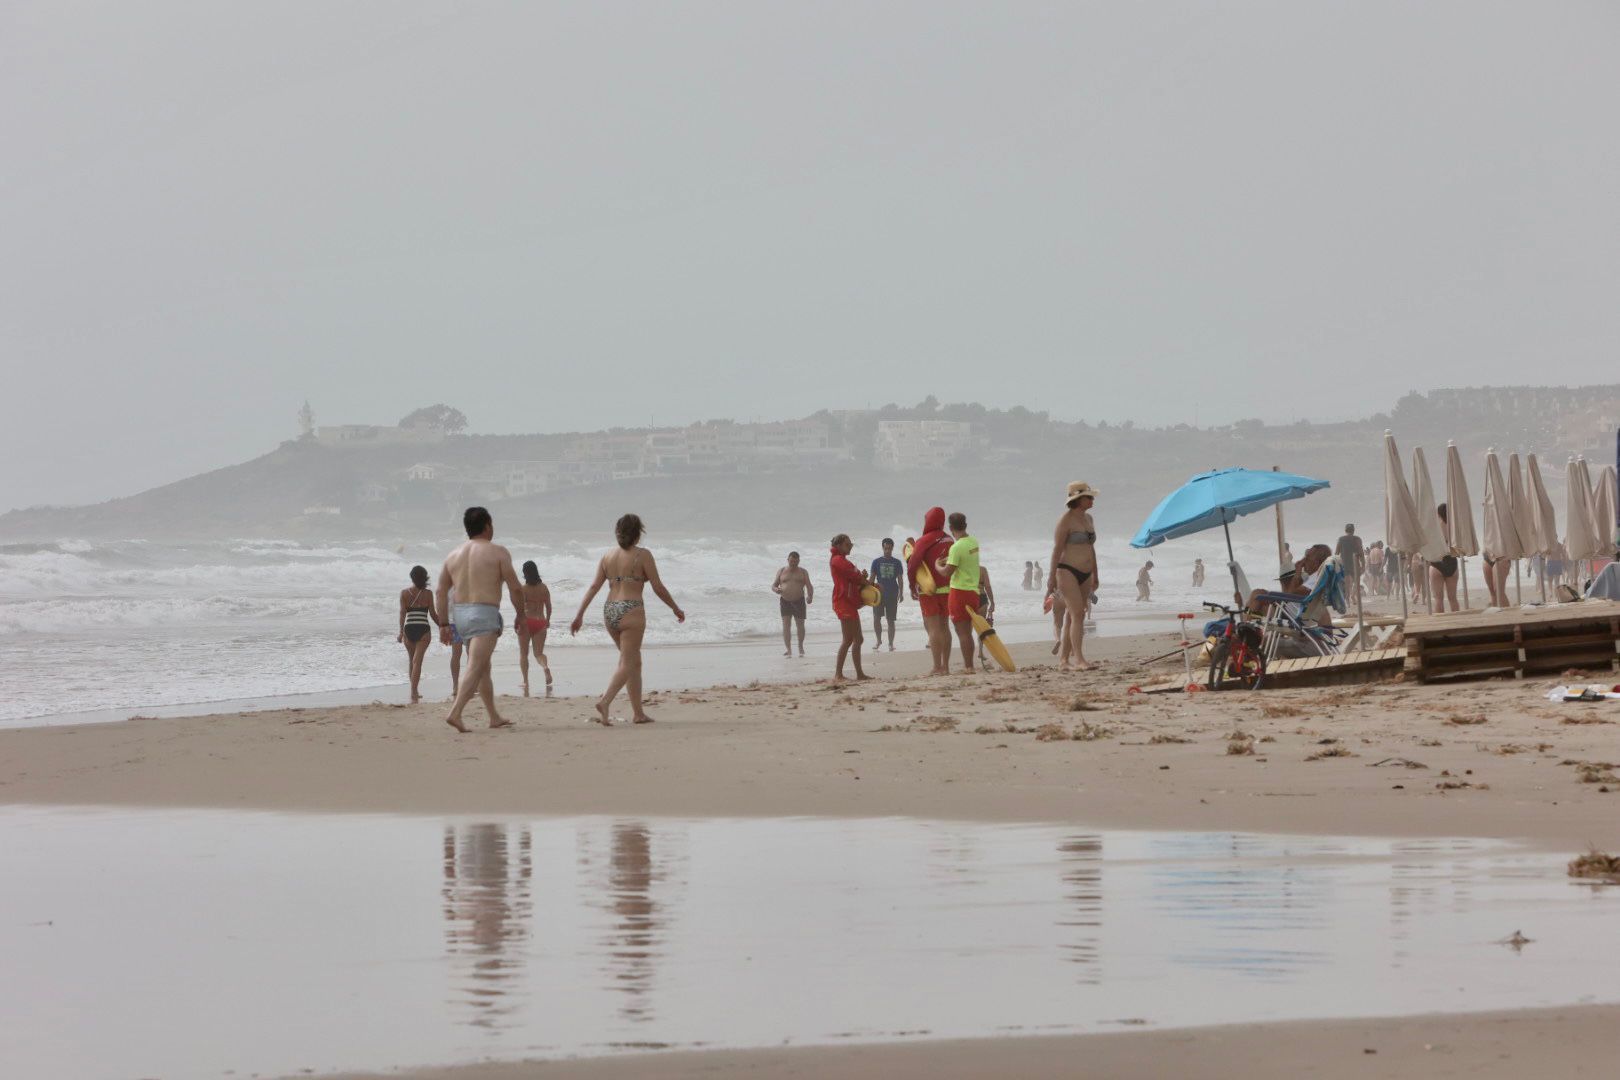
[(1489, 760)]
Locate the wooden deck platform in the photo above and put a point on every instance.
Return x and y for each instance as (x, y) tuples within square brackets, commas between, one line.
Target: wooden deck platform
[(1514, 641), (1339, 669)]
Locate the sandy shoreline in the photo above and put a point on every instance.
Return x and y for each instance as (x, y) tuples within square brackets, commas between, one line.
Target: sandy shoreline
[(811, 748), (1550, 1043), (1496, 757)]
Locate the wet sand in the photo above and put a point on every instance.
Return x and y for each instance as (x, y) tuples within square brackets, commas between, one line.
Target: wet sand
[(1497, 760), (956, 747), (1551, 1043)]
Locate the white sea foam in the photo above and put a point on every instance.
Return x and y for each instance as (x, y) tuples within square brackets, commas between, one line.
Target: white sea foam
[(131, 623)]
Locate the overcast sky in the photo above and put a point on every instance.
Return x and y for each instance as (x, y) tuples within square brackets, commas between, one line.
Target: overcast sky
[(571, 216)]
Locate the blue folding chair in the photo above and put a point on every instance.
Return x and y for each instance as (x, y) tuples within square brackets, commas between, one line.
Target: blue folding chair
[(1285, 615)]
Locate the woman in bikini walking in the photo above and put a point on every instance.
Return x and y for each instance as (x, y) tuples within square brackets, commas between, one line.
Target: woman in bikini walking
[(1074, 572), (416, 622), (535, 624), (627, 572)]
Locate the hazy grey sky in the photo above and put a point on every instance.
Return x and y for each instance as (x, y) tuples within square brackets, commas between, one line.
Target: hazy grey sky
[(565, 216)]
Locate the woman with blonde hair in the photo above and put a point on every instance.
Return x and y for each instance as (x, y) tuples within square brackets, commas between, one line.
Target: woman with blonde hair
[(627, 571)]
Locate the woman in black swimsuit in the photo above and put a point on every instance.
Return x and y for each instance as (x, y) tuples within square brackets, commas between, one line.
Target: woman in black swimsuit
[(416, 622), (1074, 572), (1443, 574)]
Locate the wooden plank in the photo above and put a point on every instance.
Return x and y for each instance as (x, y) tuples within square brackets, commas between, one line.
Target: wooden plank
[(1421, 625)]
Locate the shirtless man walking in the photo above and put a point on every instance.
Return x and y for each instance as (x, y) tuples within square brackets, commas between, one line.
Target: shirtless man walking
[(792, 584), (476, 570)]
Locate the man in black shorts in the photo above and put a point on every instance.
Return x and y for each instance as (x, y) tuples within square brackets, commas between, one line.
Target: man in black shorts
[(888, 574), (793, 586)]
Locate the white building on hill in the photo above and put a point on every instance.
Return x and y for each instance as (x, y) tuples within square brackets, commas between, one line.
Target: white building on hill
[(922, 444)]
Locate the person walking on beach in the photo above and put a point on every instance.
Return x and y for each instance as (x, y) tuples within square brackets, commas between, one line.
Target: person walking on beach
[(476, 571), (416, 621), (1144, 582), (888, 573), (963, 559), (456, 647), (535, 625), (1198, 573), (1073, 577), (929, 555), (1351, 558), (1375, 567), (628, 570), (846, 604), (792, 587)]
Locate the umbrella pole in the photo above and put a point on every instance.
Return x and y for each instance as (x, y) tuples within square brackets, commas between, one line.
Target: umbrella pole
[(1401, 579), (1231, 562), (1463, 562), (1361, 620), (1518, 585)]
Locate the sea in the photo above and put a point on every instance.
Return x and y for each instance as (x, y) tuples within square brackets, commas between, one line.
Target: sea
[(104, 629)]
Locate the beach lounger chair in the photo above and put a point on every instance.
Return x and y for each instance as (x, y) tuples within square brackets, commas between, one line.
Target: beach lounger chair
[(1285, 622)]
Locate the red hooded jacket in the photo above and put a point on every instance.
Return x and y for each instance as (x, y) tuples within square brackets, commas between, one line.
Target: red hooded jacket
[(930, 549)]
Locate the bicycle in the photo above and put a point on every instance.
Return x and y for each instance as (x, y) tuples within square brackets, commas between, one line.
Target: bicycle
[(1237, 659)]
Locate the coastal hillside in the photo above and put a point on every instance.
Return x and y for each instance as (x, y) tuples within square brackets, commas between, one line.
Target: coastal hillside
[(868, 468)]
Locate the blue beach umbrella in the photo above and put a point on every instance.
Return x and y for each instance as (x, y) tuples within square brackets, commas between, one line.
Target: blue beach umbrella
[(1219, 498)]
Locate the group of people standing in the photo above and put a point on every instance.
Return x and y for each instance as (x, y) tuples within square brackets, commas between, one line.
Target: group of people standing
[(944, 576), (466, 607)]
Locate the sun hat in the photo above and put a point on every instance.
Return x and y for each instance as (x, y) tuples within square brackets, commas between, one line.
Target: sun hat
[(1079, 490)]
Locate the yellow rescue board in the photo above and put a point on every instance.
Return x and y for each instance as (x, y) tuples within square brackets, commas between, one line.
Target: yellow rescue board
[(992, 644), (925, 581), (871, 595)]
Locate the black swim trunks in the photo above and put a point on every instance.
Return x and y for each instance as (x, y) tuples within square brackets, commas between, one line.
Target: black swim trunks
[(794, 608), (1447, 566)]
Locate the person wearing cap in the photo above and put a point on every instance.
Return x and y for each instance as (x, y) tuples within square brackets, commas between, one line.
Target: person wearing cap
[(888, 573), (1074, 572)]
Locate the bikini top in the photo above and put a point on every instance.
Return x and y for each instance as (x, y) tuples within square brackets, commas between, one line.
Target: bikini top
[(1080, 536), (632, 576)]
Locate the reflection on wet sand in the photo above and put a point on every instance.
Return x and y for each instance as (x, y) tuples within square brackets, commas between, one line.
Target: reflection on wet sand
[(684, 933), (634, 938), (1239, 906), (488, 871), (1081, 864)]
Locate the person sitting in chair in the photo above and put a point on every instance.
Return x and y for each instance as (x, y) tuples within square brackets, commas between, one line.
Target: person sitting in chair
[(1307, 572)]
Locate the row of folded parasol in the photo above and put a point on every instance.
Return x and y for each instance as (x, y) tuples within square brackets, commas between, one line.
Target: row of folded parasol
[(1516, 513)]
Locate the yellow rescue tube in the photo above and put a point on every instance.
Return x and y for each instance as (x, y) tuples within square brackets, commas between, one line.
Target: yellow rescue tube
[(925, 581), (992, 644), (871, 595)]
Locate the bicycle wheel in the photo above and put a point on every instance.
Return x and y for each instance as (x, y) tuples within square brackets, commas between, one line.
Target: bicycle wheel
[(1248, 667), (1217, 664), (1235, 668)]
